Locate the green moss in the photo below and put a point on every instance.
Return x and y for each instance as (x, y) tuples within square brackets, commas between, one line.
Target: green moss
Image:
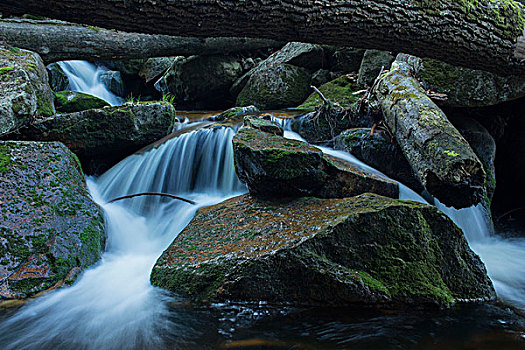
[(70, 102), (5, 158), (339, 90), (6, 69)]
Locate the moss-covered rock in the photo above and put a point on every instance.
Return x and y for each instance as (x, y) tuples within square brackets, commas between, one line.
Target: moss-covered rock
[(339, 90), (264, 123), (101, 137), (50, 229), (273, 166), (377, 150), (235, 115), (273, 86), (70, 101), (467, 87), (367, 249), (25, 95)]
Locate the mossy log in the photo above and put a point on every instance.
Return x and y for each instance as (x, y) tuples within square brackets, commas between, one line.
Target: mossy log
[(481, 34), (61, 41), (442, 159)]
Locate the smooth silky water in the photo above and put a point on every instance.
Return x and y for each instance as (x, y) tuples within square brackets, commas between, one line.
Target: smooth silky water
[(85, 77), (113, 306)]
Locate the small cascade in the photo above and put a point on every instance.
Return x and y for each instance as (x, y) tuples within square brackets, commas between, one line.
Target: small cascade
[(113, 305), (502, 257), (85, 77)]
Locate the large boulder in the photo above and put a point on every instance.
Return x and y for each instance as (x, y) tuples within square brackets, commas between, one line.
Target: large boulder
[(50, 229), (273, 166), (71, 101), (380, 152), (281, 80), (367, 249), (274, 86), (101, 137), (346, 59), (112, 80), (465, 87), (309, 56), (25, 94), (373, 61), (155, 67), (201, 82)]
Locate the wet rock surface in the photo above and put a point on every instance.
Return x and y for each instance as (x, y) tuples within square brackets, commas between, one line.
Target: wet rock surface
[(367, 249), (25, 94), (101, 137), (376, 150), (50, 228), (273, 166)]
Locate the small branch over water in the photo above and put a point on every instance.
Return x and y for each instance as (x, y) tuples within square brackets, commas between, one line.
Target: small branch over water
[(153, 194)]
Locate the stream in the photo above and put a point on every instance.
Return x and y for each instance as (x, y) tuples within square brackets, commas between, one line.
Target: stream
[(112, 305)]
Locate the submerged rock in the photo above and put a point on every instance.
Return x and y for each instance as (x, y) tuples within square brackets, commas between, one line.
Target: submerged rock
[(50, 229), (71, 101), (380, 153), (367, 249), (101, 137), (25, 94), (273, 166)]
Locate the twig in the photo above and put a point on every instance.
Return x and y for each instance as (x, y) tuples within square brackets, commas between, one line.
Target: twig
[(325, 100), (153, 194), (509, 212)]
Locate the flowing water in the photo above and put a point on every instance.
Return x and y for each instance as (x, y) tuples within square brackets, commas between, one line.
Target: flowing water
[(113, 306), (85, 77)]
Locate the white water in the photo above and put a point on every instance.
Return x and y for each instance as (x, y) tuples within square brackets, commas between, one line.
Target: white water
[(503, 258), (113, 305), (85, 77)]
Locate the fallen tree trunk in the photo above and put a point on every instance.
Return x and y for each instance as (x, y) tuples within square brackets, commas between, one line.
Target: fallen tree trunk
[(481, 34), (442, 159), (61, 41)]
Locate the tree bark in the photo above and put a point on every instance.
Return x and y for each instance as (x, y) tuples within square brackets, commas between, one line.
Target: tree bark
[(482, 34), (60, 41), (442, 159)]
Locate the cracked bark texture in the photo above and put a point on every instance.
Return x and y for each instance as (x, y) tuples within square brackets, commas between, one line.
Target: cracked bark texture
[(441, 158), (479, 34), (61, 41)]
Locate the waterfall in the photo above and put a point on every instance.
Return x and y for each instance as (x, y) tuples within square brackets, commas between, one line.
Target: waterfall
[(113, 305), (502, 257), (85, 77)]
